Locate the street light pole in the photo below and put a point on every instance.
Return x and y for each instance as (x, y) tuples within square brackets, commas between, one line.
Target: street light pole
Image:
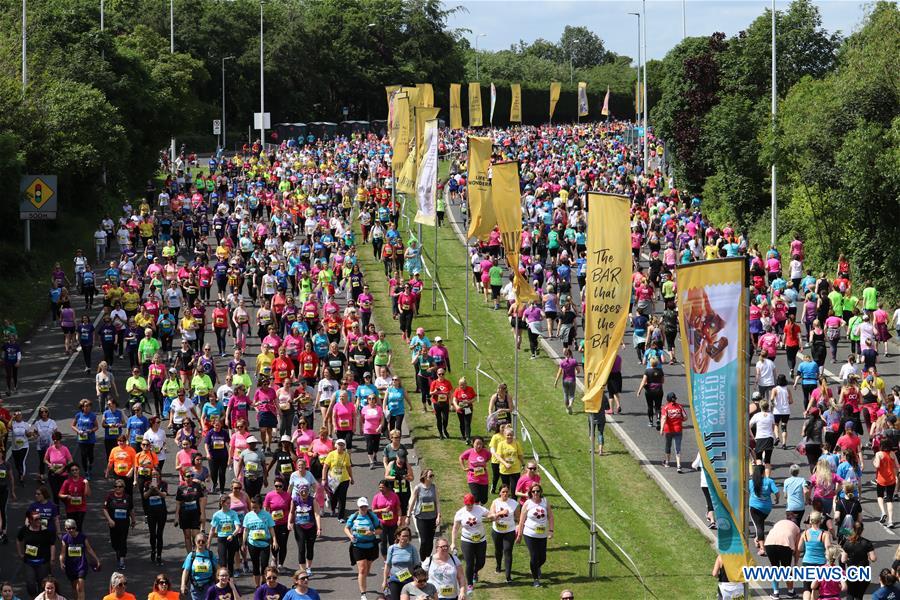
[(223, 99), (683, 20), (637, 89), (646, 145), (477, 74), (262, 85), (172, 51), (774, 111)]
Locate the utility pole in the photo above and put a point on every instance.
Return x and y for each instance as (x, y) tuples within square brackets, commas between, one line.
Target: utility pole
[(637, 88), (223, 99), (774, 112), (262, 85), (172, 51), (683, 19), (646, 145)]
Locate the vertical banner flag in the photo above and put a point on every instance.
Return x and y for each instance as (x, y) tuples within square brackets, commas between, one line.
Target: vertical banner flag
[(712, 302), (423, 115), (605, 110), (455, 107), (608, 290), (481, 210), (426, 179), (515, 107), (475, 115), (554, 97), (399, 132), (582, 99), (506, 198), (493, 102), (426, 94), (389, 90)]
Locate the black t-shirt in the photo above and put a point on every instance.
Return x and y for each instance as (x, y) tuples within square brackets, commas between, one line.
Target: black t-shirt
[(36, 544), (654, 379), (336, 363), (858, 552), (189, 495), (118, 509)]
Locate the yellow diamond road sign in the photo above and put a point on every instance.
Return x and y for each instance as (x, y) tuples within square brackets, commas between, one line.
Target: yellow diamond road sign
[(39, 192)]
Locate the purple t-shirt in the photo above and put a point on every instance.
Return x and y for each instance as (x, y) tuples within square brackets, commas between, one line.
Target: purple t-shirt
[(264, 592), (217, 593), (569, 367)]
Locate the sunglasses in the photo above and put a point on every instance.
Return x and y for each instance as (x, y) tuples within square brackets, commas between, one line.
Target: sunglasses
[(532, 468), (162, 582), (271, 578)]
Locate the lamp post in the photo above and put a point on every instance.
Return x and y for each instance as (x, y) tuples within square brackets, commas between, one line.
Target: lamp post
[(683, 19), (477, 74), (262, 85), (637, 89), (774, 110), (172, 51), (646, 145), (223, 99)]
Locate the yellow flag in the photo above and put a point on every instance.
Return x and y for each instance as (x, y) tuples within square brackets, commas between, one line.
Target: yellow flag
[(426, 94), (481, 211), (455, 110), (389, 90), (515, 108), (413, 93), (582, 99), (506, 198), (423, 115), (406, 178), (400, 131), (554, 97), (608, 290), (475, 105)]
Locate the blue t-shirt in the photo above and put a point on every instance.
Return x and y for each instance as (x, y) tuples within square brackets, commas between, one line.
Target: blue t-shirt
[(114, 422), (257, 526), (137, 426), (809, 372), (225, 523), (85, 423), (884, 593), (202, 567), (794, 488), (363, 529), (310, 594), (763, 502), (395, 403), (402, 561)]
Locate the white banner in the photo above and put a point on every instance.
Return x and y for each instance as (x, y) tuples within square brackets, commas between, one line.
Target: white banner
[(493, 102), (426, 180)]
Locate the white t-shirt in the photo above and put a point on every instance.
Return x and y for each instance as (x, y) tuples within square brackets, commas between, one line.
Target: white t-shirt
[(765, 372), (157, 440), (100, 238), (536, 518), (472, 522), (45, 430), (443, 576), (765, 425), (181, 410), (847, 370), (796, 269), (224, 393), (327, 388), (505, 524), (781, 401)]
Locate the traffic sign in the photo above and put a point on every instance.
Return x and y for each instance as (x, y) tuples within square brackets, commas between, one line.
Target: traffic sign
[(217, 126), (38, 197), (262, 120)]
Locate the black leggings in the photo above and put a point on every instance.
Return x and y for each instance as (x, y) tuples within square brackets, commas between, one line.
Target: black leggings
[(86, 352), (259, 557), (12, 376), (220, 339), (227, 551), (495, 478), (20, 457), (759, 523), (395, 422), (654, 404), (339, 499), (4, 499), (537, 549), (426, 529), (474, 555), (503, 550), (480, 491), (156, 520), (217, 470), (442, 417), (281, 536), (87, 457), (511, 481), (533, 342), (465, 424), (118, 537), (306, 543)]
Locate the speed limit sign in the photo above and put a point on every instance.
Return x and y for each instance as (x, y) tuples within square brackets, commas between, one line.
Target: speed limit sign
[(217, 127)]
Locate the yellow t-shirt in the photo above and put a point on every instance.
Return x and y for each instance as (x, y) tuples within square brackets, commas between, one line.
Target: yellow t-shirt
[(130, 301), (141, 321), (510, 453), (338, 464), (492, 445), (264, 363)]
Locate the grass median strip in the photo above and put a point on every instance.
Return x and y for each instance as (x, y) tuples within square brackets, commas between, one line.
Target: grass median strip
[(674, 559)]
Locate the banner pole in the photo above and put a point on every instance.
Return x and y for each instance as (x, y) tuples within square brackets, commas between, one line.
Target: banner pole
[(435, 256), (515, 418), (592, 556), (466, 270)]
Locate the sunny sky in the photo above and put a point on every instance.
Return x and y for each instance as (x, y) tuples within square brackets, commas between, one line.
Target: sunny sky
[(506, 22)]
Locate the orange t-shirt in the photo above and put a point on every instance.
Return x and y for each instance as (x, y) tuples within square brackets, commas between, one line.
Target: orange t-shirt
[(145, 461), (885, 474), (122, 459), (170, 595), (125, 596)]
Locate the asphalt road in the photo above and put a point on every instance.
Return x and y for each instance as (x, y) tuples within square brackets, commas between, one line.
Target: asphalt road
[(50, 377), (648, 446)]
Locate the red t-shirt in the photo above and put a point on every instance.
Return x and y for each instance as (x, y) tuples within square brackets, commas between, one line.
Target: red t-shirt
[(675, 416)]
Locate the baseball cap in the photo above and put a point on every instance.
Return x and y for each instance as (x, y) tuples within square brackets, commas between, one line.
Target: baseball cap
[(362, 501), (252, 440), (469, 499)]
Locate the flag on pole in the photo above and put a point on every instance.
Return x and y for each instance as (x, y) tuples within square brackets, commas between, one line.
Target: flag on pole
[(455, 110), (605, 110), (515, 107), (426, 179), (554, 97), (493, 102), (478, 187), (475, 114), (399, 131), (712, 307), (390, 90), (582, 99), (608, 290), (507, 201), (426, 95)]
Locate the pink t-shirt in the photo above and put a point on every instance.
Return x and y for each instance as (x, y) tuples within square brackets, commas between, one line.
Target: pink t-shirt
[(478, 465), (343, 416), (322, 447), (278, 504), (525, 482), (58, 456), (372, 419), (390, 501), (240, 408)]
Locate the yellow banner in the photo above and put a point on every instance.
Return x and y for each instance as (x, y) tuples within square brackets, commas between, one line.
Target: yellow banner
[(455, 107), (554, 97), (515, 107), (506, 197), (712, 307), (608, 290), (400, 131), (582, 99), (423, 115), (475, 117), (413, 93), (388, 90), (481, 210), (426, 94)]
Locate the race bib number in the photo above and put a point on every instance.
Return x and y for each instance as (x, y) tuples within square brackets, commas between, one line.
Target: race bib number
[(218, 444), (226, 528), (251, 467), (155, 501), (277, 515), (501, 526), (121, 468), (447, 591), (73, 500), (190, 505), (120, 514), (258, 535), (427, 507), (20, 443), (74, 551), (540, 530), (201, 566), (387, 515), (403, 575), (31, 550), (478, 471), (113, 431), (344, 423), (286, 468), (477, 537), (139, 438), (145, 471), (82, 437)]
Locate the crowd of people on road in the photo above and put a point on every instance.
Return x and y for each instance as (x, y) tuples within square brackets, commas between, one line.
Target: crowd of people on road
[(235, 329)]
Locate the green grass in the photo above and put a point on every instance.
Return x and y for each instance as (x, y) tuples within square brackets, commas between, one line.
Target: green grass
[(673, 558)]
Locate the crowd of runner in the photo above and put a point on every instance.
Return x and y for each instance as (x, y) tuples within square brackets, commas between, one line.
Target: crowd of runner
[(239, 376)]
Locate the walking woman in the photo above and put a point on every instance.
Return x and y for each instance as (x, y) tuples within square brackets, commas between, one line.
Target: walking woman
[(857, 551), (445, 572), (305, 520), (85, 425), (259, 537), (761, 490), (536, 526), (811, 548), (119, 515), (337, 474), (57, 458), (225, 528), (363, 529), (425, 507), (402, 558), (21, 435), (154, 491), (395, 404), (475, 462), (504, 515), (510, 455), (652, 386), (197, 570), (73, 557), (469, 522)]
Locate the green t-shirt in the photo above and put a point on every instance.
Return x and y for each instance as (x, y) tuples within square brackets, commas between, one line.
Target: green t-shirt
[(870, 299), (836, 301), (147, 348), (851, 325), (496, 274), (381, 349), (553, 239)]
